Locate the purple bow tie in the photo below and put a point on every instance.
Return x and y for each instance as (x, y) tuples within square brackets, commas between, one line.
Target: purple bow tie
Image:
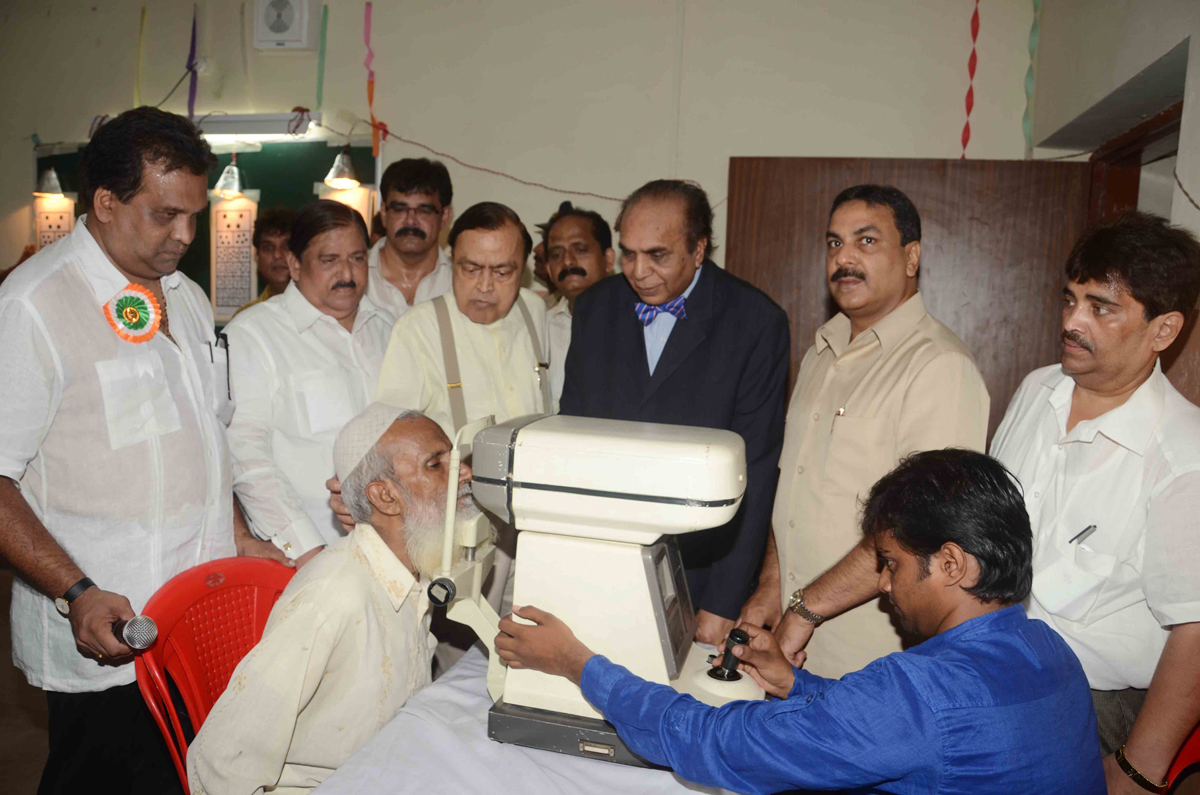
[(647, 312)]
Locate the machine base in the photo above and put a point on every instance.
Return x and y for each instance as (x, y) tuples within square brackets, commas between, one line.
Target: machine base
[(590, 738)]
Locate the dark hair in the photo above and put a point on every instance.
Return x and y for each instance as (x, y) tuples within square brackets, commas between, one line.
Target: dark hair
[(490, 216), (961, 496), (904, 212), (417, 175), (601, 231), (377, 227), (1158, 263), (698, 212), (275, 221), (320, 216), (119, 151)]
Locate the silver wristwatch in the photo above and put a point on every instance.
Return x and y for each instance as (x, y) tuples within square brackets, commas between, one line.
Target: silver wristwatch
[(796, 605)]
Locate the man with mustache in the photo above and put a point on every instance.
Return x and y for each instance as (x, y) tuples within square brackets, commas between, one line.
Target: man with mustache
[(678, 340), (348, 641), (579, 253), (1108, 453), (301, 365), (271, 231), (990, 703), (408, 266), (884, 379)]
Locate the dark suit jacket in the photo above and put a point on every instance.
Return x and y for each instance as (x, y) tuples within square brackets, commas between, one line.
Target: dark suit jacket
[(724, 367)]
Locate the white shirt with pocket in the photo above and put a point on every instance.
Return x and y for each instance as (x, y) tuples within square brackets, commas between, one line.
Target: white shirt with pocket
[(298, 376), (558, 329), (117, 446), (1134, 473), (388, 297)]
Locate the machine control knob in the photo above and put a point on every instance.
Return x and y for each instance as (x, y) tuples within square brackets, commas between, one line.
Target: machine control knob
[(442, 591), (728, 671)]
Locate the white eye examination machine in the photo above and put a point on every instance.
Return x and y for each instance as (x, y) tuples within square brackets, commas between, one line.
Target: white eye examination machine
[(597, 505)]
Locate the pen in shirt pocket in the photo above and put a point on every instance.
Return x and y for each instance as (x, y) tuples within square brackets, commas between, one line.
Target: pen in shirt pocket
[(1082, 535)]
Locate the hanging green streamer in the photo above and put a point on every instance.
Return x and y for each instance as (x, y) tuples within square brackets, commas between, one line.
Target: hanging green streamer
[(321, 56), (1027, 120)]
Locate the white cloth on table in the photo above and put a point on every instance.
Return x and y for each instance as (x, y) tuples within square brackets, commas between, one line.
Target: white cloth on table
[(438, 743), (298, 376), (388, 297), (116, 446)]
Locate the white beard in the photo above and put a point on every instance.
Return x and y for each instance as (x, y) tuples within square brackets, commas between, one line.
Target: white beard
[(424, 531)]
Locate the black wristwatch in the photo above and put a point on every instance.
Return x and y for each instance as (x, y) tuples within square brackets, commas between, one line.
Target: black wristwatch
[(63, 603)]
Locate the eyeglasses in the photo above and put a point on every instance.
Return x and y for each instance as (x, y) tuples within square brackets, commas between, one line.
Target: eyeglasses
[(500, 273), (421, 210)]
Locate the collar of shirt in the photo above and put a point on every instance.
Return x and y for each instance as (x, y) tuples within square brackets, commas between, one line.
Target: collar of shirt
[(1003, 620), (374, 263), (1130, 425), (101, 274), (304, 314), (397, 580), (563, 307), (889, 331), (695, 278)]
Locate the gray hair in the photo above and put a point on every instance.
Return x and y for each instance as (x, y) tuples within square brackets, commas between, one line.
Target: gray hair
[(375, 466)]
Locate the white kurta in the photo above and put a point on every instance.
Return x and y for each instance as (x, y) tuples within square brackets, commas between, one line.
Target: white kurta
[(1134, 473), (298, 376), (116, 445), (558, 329), (388, 297), (346, 645)]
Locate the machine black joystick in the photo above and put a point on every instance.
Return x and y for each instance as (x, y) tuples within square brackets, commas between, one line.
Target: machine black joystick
[(728, 671)]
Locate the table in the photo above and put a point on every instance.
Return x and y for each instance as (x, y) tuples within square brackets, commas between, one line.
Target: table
[(438, 744)]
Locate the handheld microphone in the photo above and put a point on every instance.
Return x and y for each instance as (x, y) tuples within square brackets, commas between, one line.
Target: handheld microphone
[(137, 633)]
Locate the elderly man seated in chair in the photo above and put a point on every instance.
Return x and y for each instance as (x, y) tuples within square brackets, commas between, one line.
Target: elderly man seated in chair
[(348, 641)]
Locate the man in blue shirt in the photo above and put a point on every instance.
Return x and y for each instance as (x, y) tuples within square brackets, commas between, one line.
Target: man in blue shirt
[(991, 702)]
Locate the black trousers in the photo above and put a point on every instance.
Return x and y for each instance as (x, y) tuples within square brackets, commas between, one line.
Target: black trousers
[(106, 741)]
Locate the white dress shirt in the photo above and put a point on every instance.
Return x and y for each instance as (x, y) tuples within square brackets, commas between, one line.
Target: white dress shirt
[(346, 645), (298, 376), (116, 445), (659, 329), (1134, 473), (558, 329), (388, 297), (496, 364)]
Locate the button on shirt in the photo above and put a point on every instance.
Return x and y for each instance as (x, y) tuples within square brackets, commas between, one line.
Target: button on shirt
[(346, 645), (1134, 472), (659, 329), (998, 704), (116, 445), (298, 376), (558, 328), (905, 384), (496, 363), (388, 297)]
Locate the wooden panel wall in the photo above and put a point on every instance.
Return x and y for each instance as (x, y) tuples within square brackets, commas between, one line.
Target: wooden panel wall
[(995, 237)]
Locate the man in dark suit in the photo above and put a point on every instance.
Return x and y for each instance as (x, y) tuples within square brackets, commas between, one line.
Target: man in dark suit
[(676, 339)]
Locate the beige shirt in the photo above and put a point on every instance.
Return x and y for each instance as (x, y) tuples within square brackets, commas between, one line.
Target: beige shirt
[(1134, 473), (904, 385), (558, 328), (388, 297), (346, 645), (496, 363), (298, 376)]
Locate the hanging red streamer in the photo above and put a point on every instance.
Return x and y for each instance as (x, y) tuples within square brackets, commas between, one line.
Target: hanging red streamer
[(370, 78), (971, 62)]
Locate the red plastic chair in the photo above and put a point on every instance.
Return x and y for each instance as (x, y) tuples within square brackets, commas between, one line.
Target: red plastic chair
[(1188, 755), (208, 618)]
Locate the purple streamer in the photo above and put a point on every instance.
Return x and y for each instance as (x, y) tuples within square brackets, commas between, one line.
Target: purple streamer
[(191, 67)]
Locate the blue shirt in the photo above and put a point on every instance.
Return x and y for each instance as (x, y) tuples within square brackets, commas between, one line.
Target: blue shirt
[(659, 330), (998, 704)]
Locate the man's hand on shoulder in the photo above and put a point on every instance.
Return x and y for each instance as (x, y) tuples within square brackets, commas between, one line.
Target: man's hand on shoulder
[(793, 634), (763, 660), (548, 645), (712, 628), (335, 502), (92, 615)]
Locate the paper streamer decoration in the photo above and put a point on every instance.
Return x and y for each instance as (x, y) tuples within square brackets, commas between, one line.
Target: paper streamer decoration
[(133, 313), (137, 64), (191, 67), (321, 55), (370, 79), (966, 133), (1027, 120)]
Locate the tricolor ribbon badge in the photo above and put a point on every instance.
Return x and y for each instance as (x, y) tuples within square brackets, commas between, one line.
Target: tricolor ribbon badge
[(133, 313)]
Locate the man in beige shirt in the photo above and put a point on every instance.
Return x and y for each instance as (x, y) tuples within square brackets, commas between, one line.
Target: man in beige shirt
[(348, 641), (883, 379)]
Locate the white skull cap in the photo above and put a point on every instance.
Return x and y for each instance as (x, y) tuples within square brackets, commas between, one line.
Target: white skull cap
[(360, 434)]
